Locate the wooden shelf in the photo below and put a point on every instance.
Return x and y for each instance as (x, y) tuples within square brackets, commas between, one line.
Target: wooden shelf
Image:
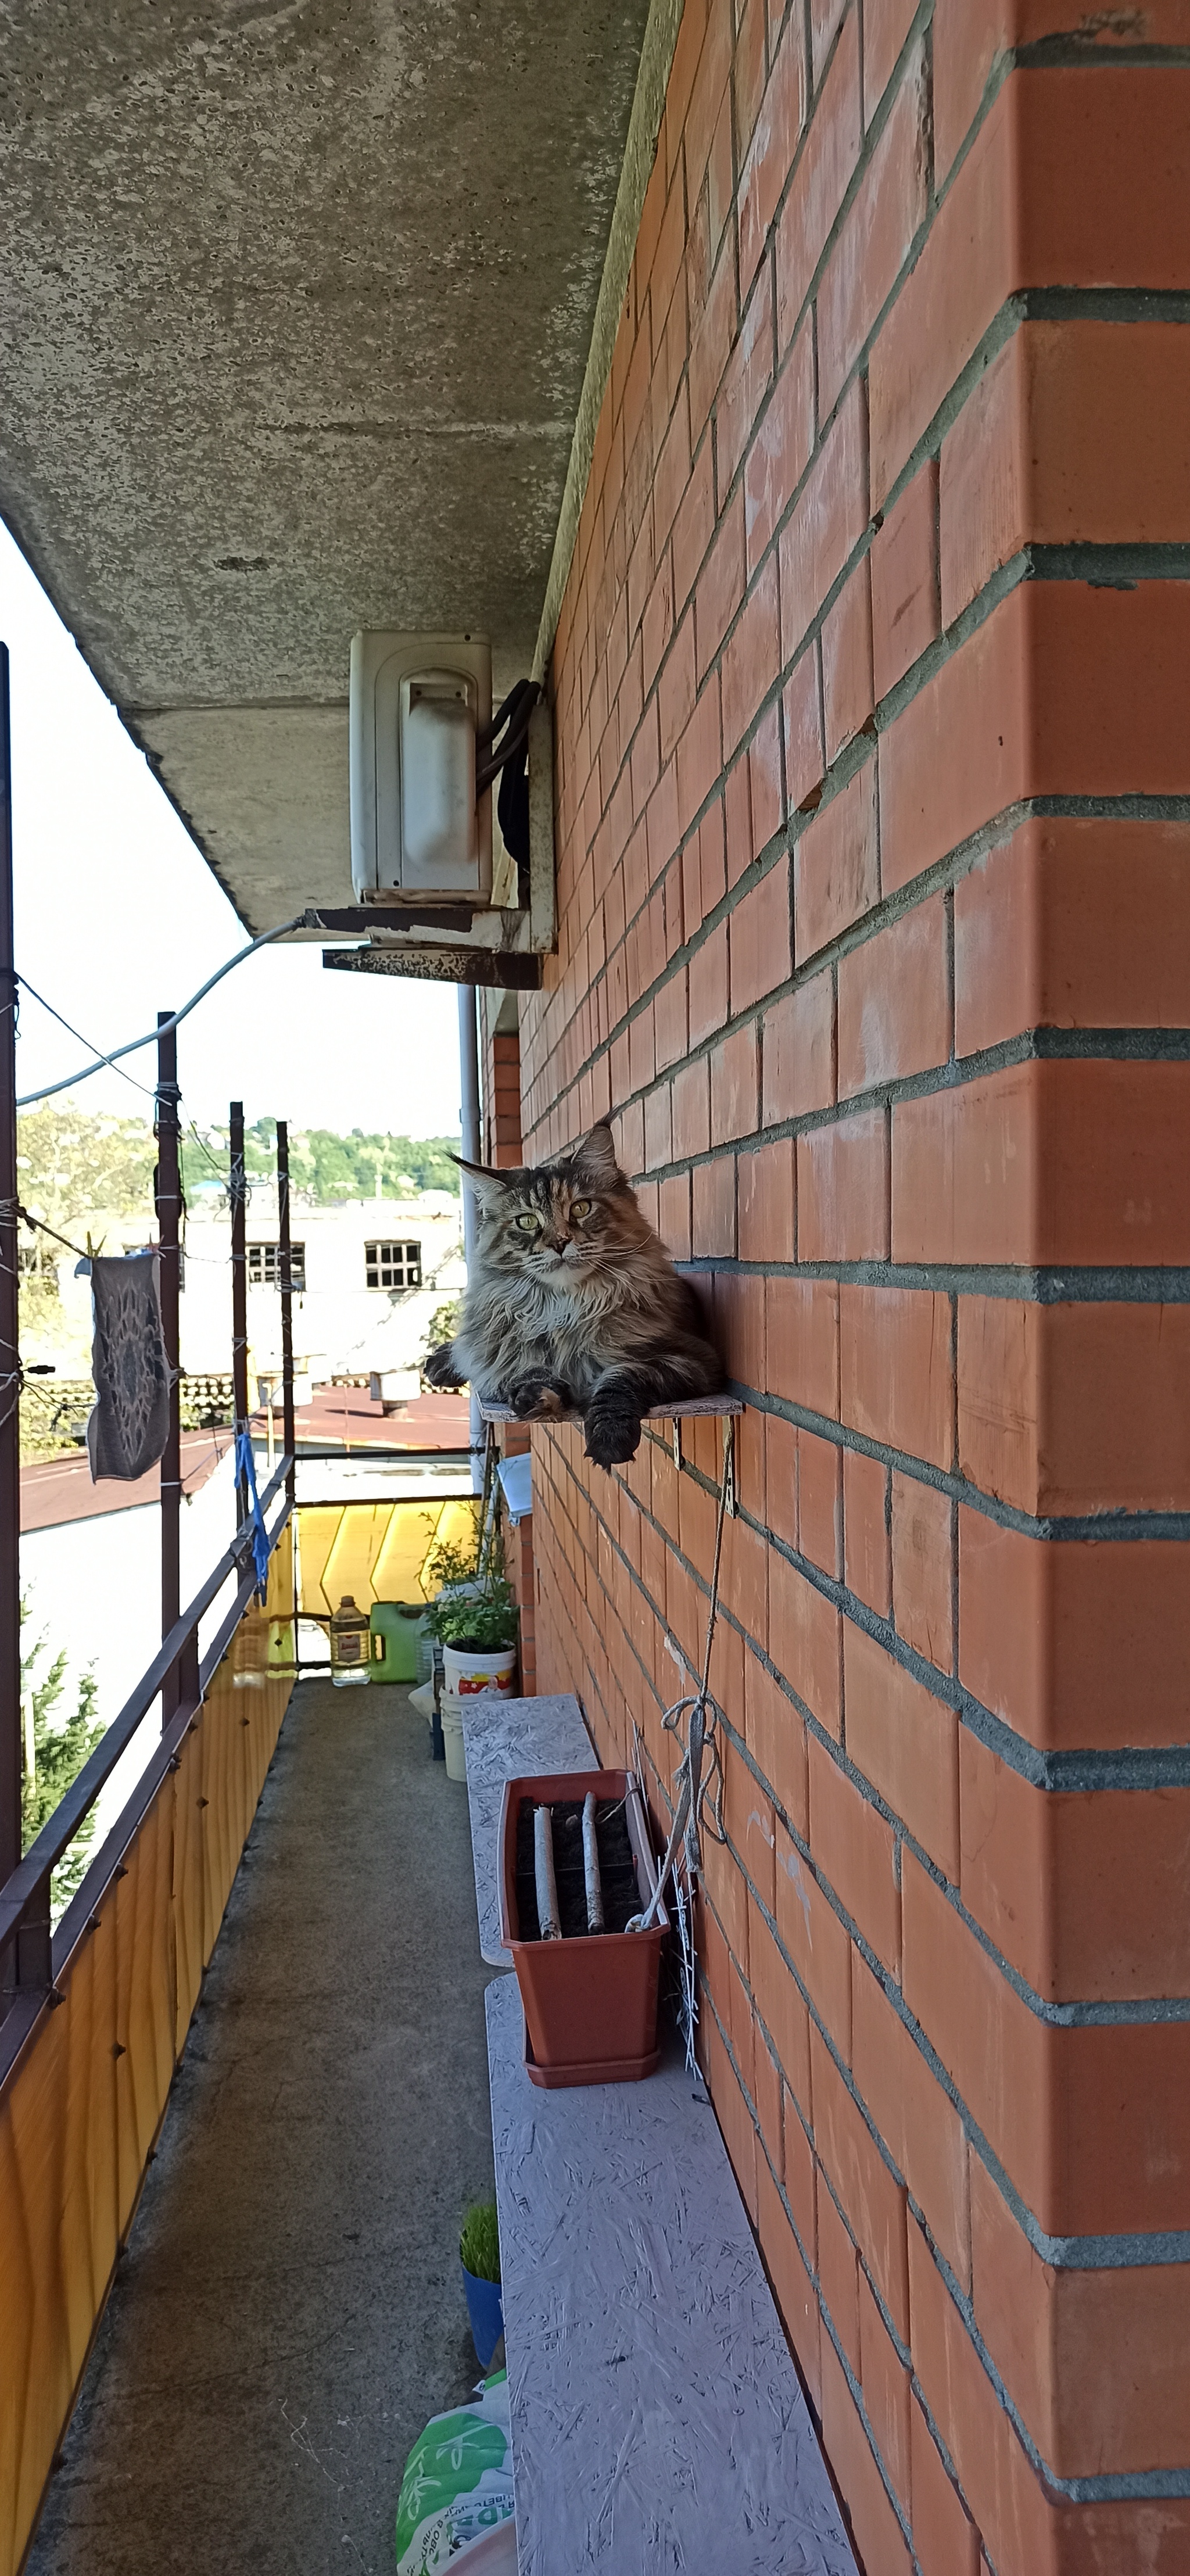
[(721, 1408)]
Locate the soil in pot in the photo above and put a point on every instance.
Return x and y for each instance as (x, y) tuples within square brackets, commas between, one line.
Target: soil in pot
[(617, 1869)]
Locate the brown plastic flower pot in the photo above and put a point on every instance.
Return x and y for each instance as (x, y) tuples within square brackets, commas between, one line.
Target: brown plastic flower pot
[(591, 2000)]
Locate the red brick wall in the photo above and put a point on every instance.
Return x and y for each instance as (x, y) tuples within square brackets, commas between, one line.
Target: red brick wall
[(873, 761)]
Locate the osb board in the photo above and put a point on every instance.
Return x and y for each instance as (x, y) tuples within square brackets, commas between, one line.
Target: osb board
[(84, 2102)]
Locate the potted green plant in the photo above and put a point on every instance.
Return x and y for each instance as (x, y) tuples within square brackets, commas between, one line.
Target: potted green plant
[(479, 2254)]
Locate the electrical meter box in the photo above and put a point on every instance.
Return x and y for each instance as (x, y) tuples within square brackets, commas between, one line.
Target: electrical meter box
[(417, 705)]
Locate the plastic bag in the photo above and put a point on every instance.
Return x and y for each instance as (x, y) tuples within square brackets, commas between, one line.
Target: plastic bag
[(457, 2487)]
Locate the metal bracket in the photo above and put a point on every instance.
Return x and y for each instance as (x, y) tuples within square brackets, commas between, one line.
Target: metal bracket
[(677, 1441), (729, 1492)]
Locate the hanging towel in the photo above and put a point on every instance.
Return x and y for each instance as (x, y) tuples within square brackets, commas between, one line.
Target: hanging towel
[(127, 1430), (246, 1475)]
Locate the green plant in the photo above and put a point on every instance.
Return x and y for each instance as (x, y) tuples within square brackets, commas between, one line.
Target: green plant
[(485, 1621), (54, 1754), (479, 2243)]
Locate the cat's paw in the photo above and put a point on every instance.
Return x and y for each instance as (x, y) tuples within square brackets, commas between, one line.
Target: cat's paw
[(536, 1398), (613, 1432), (440, 1368)]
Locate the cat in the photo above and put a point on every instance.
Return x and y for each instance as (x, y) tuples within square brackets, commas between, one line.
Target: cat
[(573, 1303)]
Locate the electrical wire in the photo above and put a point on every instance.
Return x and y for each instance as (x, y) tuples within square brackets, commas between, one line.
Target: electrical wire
[(165, 1026), (87, 1042)]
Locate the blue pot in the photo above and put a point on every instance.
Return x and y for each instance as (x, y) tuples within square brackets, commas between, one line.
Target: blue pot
[(486, 2311)]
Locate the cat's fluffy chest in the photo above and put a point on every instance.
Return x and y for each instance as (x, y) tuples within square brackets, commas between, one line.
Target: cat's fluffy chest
[(523, 1323)]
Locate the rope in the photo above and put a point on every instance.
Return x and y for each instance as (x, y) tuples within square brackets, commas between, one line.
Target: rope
[(150, 1039), (690, 1809)]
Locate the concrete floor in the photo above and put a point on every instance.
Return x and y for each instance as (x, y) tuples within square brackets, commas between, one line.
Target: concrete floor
[(290, 2309)]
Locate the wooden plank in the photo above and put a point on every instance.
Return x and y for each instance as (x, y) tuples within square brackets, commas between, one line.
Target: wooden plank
[(657, 2419), (502, 1738), (722, 1407)]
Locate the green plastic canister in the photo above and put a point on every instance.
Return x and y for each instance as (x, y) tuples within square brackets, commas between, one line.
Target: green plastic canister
[(394, 1626)]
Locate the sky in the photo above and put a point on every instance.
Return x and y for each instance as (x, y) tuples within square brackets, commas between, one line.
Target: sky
[(118, 917)]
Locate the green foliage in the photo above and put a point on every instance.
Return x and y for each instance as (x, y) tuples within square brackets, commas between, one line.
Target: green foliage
[(444, 1322), (325, 1169), (486, 1621), (479, 2243), (59, 1752), (71, 1166)]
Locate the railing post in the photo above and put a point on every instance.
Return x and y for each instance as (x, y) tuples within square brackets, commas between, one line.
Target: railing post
[(10, 1364), (168, 1195), (239, 1295), (285, 1265)]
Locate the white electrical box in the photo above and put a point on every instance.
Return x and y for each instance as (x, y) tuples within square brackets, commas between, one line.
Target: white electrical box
[(417, 704)]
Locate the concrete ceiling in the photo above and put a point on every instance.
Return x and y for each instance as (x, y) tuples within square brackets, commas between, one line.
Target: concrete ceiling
[(295, 303)]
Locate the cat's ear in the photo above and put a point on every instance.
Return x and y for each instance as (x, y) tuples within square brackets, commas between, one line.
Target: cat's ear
[(489, 1187), (595, 1154)]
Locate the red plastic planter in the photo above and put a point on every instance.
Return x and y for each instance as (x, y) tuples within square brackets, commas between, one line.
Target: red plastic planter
[(591, 2002)]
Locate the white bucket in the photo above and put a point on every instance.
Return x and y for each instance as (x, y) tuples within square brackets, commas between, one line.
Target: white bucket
[(452, 1737), (473, 1675)]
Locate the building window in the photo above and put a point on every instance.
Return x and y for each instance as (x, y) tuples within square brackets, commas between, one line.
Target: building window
[(393, 1265), (264, 1266)]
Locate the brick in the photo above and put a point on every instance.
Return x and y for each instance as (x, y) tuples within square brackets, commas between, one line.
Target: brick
[(798, 1051), (708, 986), (945, 2540), (876, 236), (801, 729), (836, 868), (871, 2197), (842, 1190), (1045, 196), (1053, 1163), (879, 2538), (700, 755), (1026, 1431), (1075, 924), (745, 384), (815, 1939), (692, 1109), (781, 1513), (838, 2273), (1097, 1651), (923, 1569), (827, 521), (847, 691), (1080, 1892), (886, 26), (894, 1003), (781, 448), (735, 1085), (867, 1567), (804, 1643), (917, 2120), (885, 2381), (670, 1026), (1088, 2122), (820, 1502), (713, 1209), (720, 587), (670, 483), (693, 526), (740, 1319), (906, 1742), (895, 1369), (751, 659), (792, 2286), (820, 181), (1098, 2362), (853, 1850), (775, 1732), (968, 36), (773, 144), (824, 27), (1023, 465), (803, 1342), (765, 1193), (906, 610), (677, 687), (711, 337), (996, 2477)]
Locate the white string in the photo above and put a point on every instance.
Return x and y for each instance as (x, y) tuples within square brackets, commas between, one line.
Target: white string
[(692, 1791), (163, 1029)]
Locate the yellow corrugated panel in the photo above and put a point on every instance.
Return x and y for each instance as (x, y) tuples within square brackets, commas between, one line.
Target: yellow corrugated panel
[(376, 1551)]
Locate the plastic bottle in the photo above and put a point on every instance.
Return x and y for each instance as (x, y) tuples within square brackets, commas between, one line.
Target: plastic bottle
[(350, 1643)]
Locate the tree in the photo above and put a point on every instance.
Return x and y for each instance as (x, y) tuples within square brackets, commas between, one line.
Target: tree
[(54, 1756)]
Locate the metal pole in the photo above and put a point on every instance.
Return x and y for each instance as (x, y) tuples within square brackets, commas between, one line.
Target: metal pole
[(239, 1294), (285, 1265), (469, 1122), (169, 1210), (10, 1365)]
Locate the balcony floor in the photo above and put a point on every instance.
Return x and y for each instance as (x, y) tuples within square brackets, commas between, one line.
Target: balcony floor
[(289, 2311)]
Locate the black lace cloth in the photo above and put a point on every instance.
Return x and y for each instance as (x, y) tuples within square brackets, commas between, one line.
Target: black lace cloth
[(127, 1430)]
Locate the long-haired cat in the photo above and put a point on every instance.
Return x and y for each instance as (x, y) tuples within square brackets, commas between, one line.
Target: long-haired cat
[(574, 1303)]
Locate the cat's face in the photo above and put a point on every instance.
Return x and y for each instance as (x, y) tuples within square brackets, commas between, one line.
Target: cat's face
[(562, 1222)]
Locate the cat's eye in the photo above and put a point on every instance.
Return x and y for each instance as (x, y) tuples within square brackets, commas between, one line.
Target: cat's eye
[(529, 1224), (580, 1207)]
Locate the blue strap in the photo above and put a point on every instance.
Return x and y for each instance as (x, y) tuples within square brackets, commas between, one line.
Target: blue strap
[(246, 1472)]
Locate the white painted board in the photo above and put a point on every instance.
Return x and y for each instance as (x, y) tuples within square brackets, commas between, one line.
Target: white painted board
[(720, 1406), (657, 2419), (503, 1738)]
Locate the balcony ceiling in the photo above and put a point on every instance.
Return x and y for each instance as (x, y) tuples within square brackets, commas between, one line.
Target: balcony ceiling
[(295, 301)]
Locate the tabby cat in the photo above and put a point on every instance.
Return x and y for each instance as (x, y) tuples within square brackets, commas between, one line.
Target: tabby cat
[(573, 1303)]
